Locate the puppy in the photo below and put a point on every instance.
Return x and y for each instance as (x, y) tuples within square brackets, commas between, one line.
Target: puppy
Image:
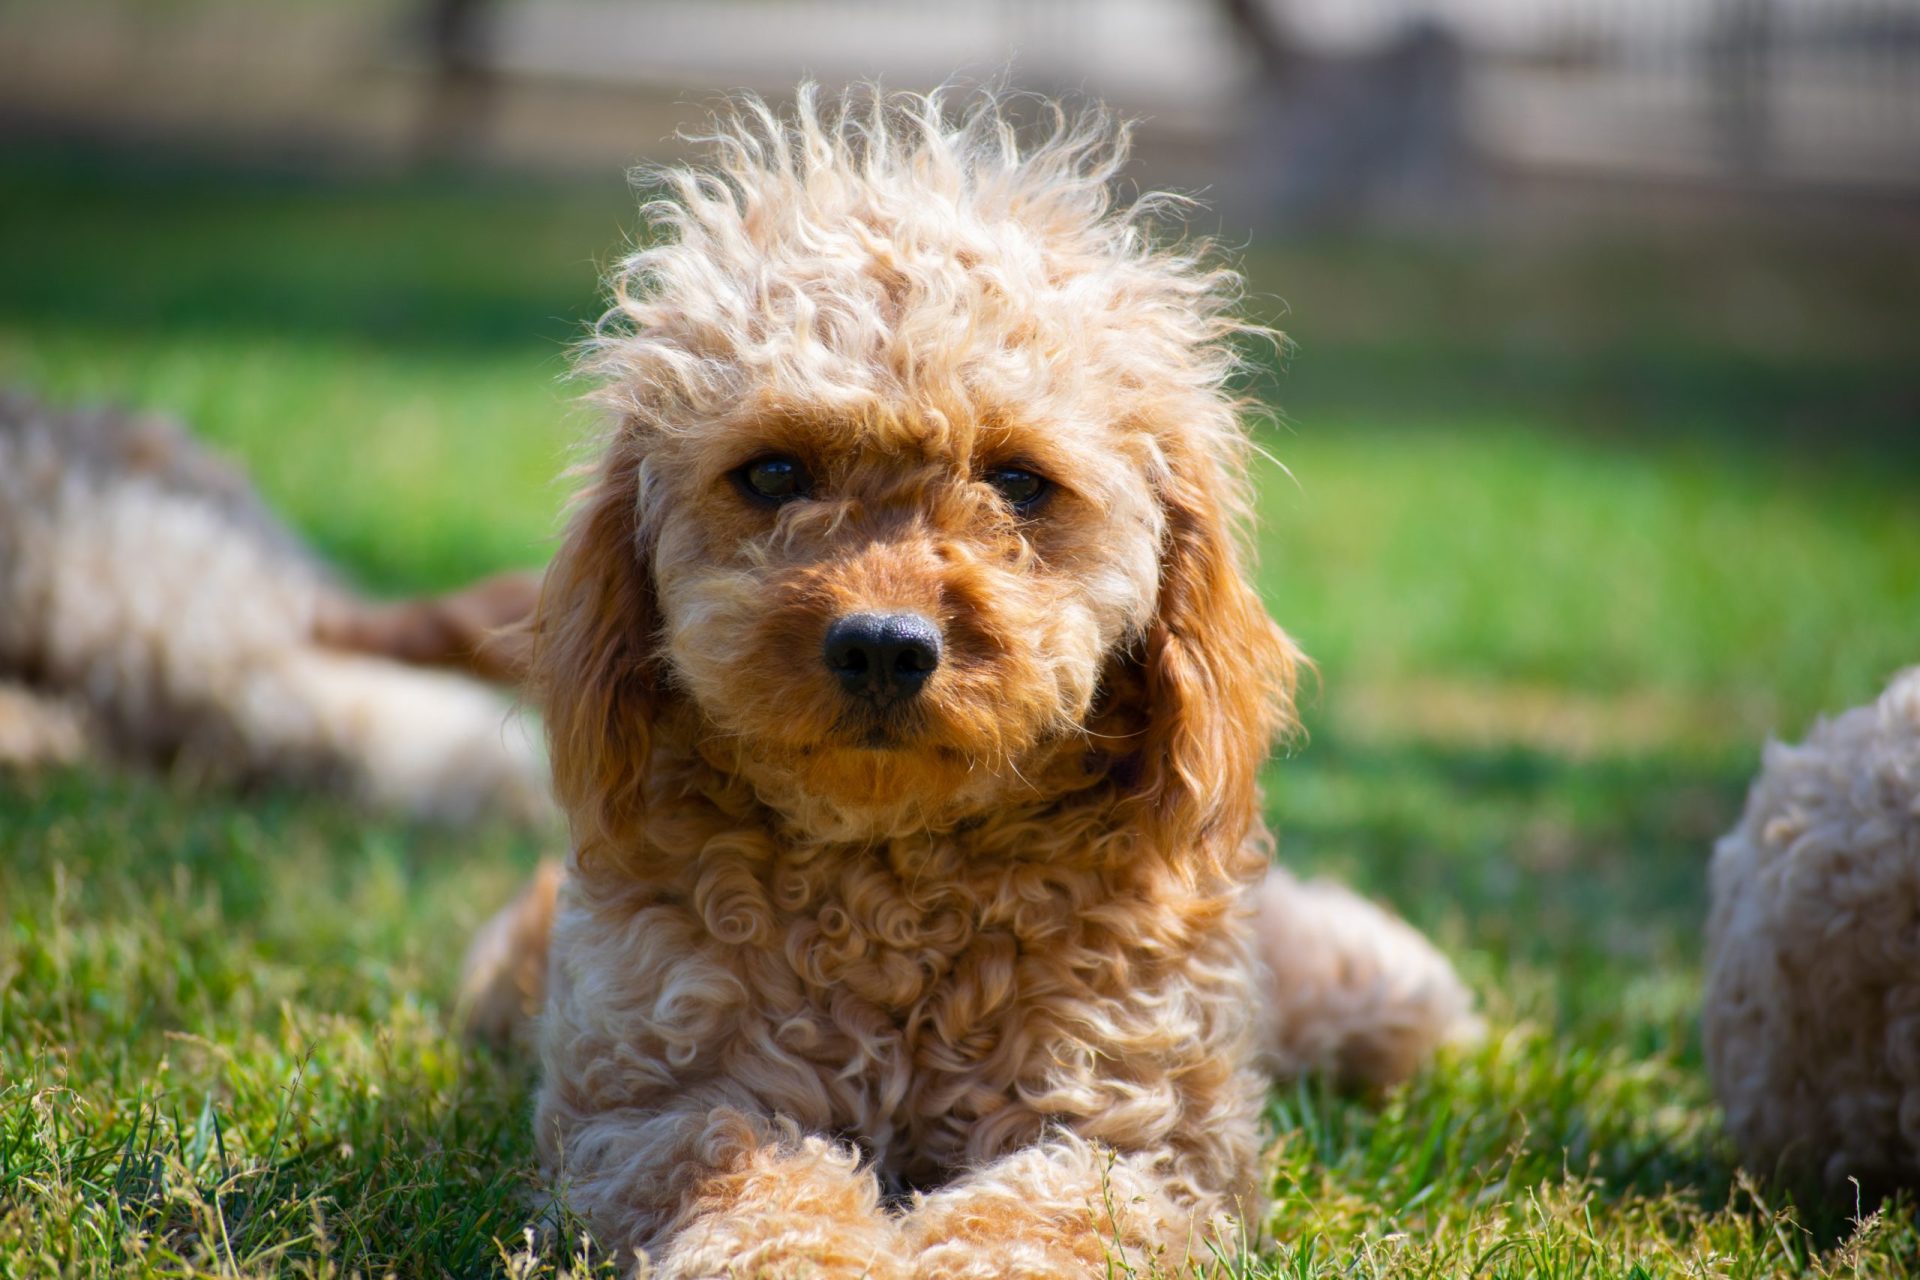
[(906, 695), (1811, 1020), (152, 609)]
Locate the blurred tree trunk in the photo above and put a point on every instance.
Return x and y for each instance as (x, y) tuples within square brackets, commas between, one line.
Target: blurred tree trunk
[(1325, 138), (460, 95), (1739, 55), (1255, 22)]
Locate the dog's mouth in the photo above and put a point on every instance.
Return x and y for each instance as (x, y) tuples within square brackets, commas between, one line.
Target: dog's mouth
[(880, 730)]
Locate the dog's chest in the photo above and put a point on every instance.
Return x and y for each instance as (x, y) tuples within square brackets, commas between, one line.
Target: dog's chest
[(909, 949), (928, 998)]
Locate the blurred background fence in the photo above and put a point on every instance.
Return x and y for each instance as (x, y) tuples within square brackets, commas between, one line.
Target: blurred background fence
[(1283, 110)]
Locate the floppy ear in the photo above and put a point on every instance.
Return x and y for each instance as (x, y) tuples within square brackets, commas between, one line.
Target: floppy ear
[(593, 657), (1218, 675)]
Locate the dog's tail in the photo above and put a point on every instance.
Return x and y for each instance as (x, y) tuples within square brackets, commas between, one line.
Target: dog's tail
[(504, 979), (1353, 992)]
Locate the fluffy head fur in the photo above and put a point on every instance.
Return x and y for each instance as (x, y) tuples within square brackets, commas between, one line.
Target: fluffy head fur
[(904, 304), (1813, 953), (151, 608), (992, 952)]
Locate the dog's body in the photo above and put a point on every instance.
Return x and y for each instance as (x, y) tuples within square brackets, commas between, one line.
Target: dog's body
[(906, 696), (1812, 1003), (152, 609)]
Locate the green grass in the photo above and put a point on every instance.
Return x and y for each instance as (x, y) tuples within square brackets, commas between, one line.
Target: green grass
[(1569, 532)]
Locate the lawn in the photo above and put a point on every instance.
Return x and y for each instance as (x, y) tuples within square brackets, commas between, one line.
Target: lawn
[(1569, 529)]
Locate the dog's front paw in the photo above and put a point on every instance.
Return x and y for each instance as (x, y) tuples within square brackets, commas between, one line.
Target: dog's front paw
[(785, 1246), (800, 1212), (1062, 1210)]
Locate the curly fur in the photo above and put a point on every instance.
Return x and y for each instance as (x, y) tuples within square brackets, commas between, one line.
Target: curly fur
[(972, 992), (152, 609), (1813, 953)]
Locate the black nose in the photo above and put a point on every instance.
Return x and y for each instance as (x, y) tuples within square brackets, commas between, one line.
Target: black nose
[(882, 657)]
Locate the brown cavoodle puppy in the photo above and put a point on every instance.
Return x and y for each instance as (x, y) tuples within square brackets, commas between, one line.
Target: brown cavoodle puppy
[(906, 695)]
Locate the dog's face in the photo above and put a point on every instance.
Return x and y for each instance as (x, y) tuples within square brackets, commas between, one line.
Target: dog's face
[(922, 465), (891, 603)]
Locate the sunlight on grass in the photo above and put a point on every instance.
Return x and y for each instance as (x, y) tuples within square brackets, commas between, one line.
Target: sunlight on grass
[(1563, 561)]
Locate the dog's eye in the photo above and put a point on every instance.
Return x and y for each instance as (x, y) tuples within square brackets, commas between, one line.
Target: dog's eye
[(1020, 487), (774, 478)]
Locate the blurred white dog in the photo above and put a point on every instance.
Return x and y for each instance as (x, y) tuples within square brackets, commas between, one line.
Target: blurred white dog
[(152, 609), (1813, 954)]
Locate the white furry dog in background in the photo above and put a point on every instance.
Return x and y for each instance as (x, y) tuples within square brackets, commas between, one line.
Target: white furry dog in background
[(152, 609), (1813, 954)]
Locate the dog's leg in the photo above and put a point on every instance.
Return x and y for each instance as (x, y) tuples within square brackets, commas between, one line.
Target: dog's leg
[(715, 1194), (504, 979), (481, 629), (1063, 1208), (1353, 991), (37, 730), (426, 742)]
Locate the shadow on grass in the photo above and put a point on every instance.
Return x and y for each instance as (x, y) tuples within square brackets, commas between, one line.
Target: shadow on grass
[(1539, 854), (1826, 408), (280, 956), (223, 1036), (1572, 893), (96, 239)]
